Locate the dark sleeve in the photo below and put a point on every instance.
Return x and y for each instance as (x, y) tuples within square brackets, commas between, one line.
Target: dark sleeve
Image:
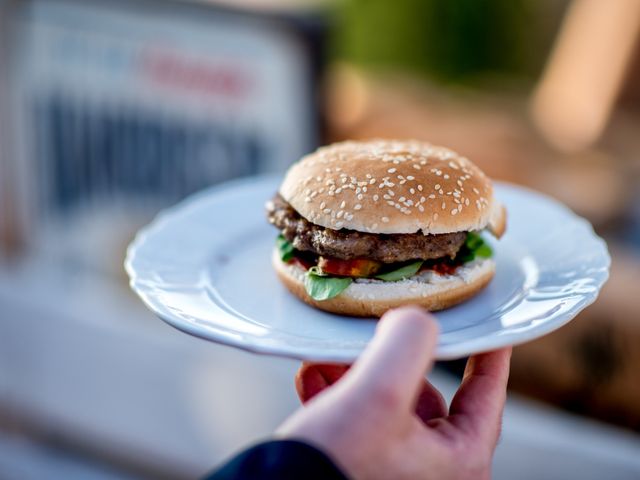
[(281, 460)]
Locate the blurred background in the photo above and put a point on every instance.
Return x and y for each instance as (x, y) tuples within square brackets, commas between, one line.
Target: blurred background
[(113, 110)]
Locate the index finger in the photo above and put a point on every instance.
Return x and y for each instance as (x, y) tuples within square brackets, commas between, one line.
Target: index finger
[(478, 404), (394, 364)]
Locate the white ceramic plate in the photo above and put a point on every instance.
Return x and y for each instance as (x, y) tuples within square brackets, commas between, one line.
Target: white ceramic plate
[(204, 267)]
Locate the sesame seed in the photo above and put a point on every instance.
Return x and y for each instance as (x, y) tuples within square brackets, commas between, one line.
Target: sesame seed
[(307, 199), (401, 199), (466, 201), (437, 187), (446, 177), (392, 170), (385, 219), (421, 208), (349, 216), (360, 196), (339, 224), (454, 211), (410, 177), (416, 166), (342, 204), (441, 192), (375, 198), (412, 191), (420, 187), (391, 202), (322, 205), (372, 181), (340, 213), (391, 192), (357, 206), (443, 205), (327, 210)]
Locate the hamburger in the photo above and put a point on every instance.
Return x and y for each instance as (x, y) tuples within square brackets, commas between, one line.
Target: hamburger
[(368, 226)]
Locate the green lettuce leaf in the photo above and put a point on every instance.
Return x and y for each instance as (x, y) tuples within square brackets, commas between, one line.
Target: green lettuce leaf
[(284, 248), (475, 247), (401, 273), (320, 286)]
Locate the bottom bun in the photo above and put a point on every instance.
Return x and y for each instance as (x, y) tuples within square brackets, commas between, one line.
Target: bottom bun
[(372, 298)]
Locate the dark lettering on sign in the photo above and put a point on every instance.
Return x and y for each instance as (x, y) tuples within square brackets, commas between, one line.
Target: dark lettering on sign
[(88, 151)]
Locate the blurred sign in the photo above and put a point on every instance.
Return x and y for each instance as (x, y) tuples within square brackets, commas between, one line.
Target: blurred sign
[(128, 107)]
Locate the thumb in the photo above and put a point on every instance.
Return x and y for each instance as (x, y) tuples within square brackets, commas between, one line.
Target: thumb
[(393, 366)]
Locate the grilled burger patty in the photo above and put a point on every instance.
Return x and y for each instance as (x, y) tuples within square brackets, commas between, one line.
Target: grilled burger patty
[(349, 244)]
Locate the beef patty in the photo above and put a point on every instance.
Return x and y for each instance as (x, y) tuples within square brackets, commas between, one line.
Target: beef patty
[(348, 244)]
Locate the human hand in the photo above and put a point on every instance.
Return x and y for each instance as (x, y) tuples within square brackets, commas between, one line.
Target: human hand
[(381, 419)]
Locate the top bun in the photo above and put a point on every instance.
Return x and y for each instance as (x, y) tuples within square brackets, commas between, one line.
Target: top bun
[(392, 186)]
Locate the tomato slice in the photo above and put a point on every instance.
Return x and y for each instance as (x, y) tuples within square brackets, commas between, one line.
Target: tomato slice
[(358, 267)]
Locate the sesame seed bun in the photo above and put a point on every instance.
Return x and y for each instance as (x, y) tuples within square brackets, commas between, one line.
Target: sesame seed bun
[(372, 298), (391, 186)]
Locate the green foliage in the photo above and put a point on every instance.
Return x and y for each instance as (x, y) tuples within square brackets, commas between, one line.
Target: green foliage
[(449, 40)]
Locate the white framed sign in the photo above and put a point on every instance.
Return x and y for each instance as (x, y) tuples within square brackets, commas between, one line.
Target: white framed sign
[(133, 105)]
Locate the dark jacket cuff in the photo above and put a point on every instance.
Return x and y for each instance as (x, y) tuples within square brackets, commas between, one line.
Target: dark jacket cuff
[(279, 459)]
